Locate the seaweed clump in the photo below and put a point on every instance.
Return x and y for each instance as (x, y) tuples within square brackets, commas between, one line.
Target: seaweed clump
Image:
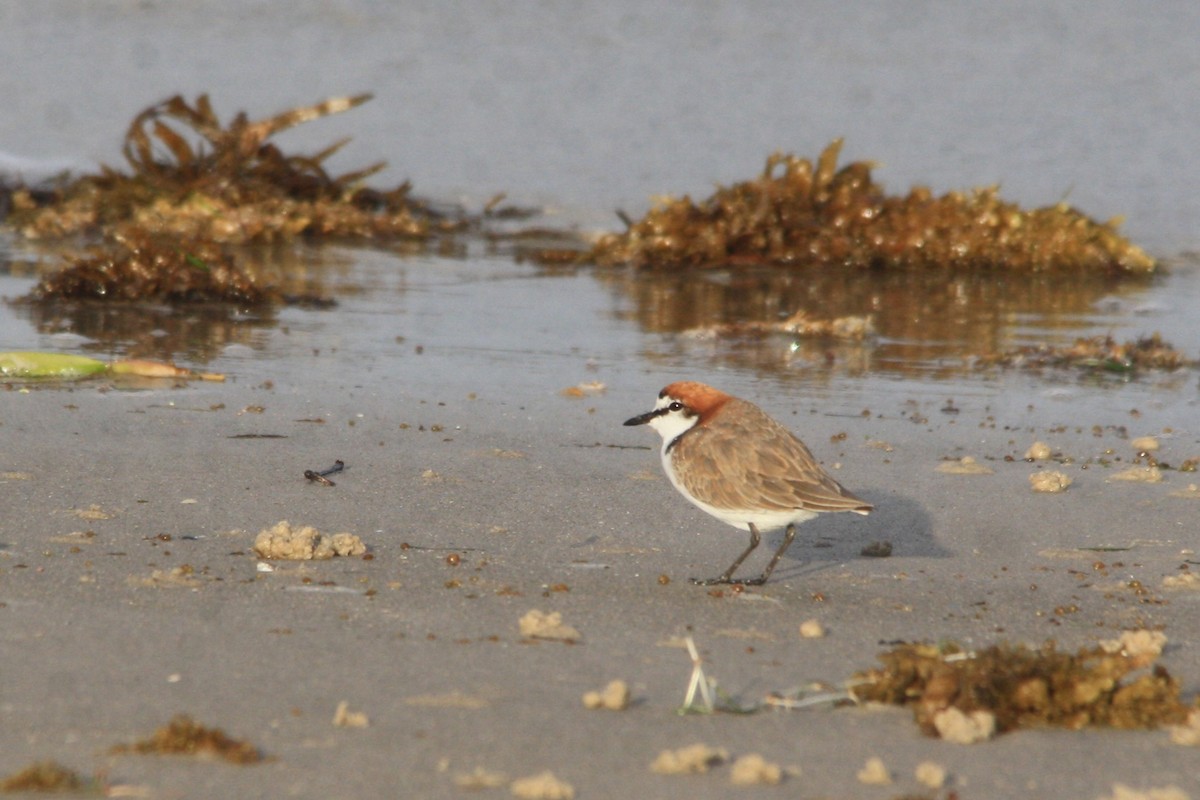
[(136, 267), (183, 735), (44, 776), (1021, 687), (1100, 353), (232, 185), (822, 215)]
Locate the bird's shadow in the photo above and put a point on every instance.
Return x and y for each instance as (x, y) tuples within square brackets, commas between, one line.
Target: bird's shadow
[(897, 520)]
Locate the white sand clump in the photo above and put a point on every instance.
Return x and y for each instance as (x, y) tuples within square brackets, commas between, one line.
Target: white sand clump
[(1123, 792), (956, 726), (754, 770), (1184, 580), (480, 778), (614, 697), (1138, 475), (305, 543), (540, 625), (967, 465), (1187, 734), (543, 786), (688, 760), (1038, 451), (812, 629), (1049, 480), (1144, 444), (931, 774), (874, 773), (1137, 644), (343, 717)]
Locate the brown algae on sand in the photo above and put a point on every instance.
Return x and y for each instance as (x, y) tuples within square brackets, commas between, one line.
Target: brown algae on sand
[(184, 736), (798, 212), (1106, 686), (285, 542)]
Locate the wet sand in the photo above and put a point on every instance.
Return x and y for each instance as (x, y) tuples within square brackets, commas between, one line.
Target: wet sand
[(550, 504)]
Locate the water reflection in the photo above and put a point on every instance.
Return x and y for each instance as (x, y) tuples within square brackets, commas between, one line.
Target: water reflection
[(194, 333), (926, 322)]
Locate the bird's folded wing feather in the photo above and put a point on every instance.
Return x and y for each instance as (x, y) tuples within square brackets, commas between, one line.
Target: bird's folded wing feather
[(756, 463)]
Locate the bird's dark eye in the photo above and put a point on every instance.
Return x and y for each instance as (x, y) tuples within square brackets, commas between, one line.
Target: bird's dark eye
[(676, 406)]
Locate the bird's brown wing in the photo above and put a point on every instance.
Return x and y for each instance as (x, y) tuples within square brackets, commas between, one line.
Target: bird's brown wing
[(749, 461)]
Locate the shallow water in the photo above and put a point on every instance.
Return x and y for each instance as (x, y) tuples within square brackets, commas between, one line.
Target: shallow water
[(591, 109)]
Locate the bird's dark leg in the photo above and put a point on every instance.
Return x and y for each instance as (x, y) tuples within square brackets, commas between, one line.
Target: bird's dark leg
[(787, 542), (727, 575)]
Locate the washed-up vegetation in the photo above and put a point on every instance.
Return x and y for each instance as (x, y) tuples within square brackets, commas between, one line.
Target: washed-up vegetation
[(193, 178), (1101, 353), (798, 213), (1013, 686)]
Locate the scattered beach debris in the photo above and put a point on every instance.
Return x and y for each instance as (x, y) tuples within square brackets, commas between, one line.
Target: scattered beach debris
[(194, 178), (798, 213), (1188, 733), (540, 625), (136, 266), (954, 725), (1144, 444), (812, 629), (181, 577), (877, 549), (1022, 687), (799, 324), (343, 717), (967, 465), (45, 777), (1101, 353), (1138, 474), (1123, 792), (184, 736), (64, 366), (543, 786), (451, 699), (754, 770), (321, 476), (1038, 451), (699, 682), (480, 778), (874, 773), (930, 774), (584, 389), (689, 760), (614, 697), (284, 542), (1049, 480)]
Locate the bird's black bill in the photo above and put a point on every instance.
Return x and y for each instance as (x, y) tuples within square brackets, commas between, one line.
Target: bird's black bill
[(642, 419)]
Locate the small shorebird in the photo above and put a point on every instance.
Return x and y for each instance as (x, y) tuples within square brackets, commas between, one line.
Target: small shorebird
[(731, 459)]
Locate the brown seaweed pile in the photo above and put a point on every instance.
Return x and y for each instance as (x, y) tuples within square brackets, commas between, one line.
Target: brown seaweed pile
[(194, 178), (1023, 687), (184, 736), (796, 213), (136, 267), (1102, 353), (44, 776)]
